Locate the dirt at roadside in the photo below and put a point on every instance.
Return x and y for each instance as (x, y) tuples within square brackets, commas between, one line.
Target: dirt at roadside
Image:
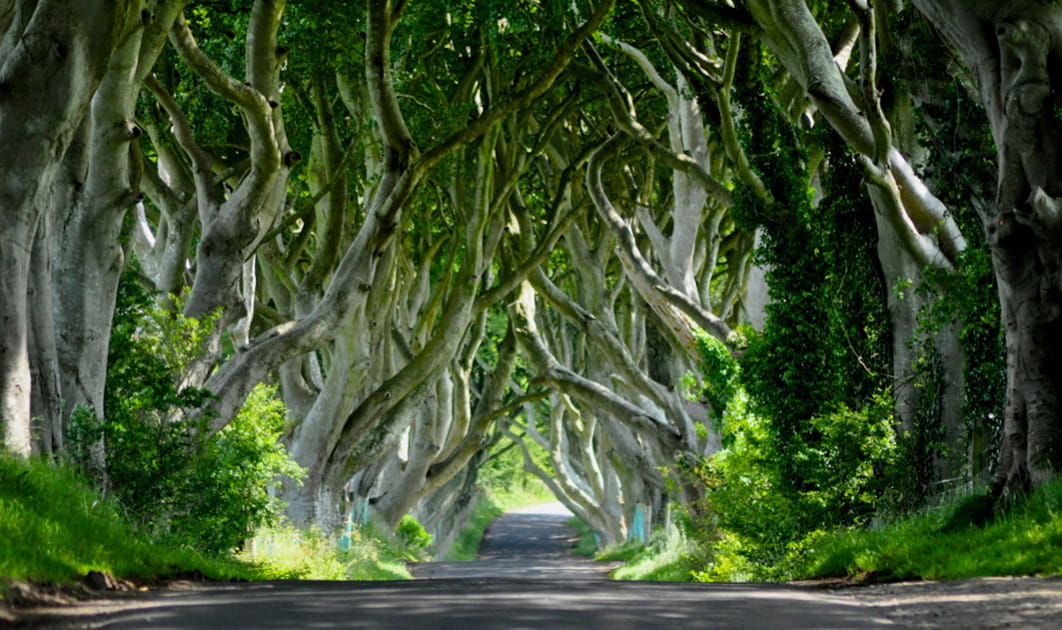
[(996, 602), (29, 604)]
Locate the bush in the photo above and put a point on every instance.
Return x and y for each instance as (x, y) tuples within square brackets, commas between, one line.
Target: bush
[(748, 518), (168, 473), (56, 528), (415, 538)]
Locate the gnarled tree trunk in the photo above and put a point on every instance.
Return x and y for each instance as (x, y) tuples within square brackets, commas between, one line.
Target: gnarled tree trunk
[(54, 56), (1012, 49)]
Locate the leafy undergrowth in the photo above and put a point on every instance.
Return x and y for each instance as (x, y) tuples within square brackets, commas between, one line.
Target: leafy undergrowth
[(55, 528), (466, 545), (586, 540), (667, 557), (288, 553), (961, 540)]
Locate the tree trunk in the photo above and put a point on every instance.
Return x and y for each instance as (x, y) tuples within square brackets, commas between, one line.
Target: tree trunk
[(95, 191), (53, 59), (1012, 51), (927, 370)]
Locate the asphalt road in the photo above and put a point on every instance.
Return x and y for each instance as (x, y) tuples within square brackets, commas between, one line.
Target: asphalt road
[(480, 603), (526, 578), (527, 544)]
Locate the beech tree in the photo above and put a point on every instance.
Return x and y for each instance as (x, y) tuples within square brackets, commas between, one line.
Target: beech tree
[(439, 230), (99, 187), (358, 334), (1011, 52), (54, 58), (836, 82)]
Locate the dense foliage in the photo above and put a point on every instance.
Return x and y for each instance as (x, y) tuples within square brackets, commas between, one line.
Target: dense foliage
[(430, 249), (170, 476), (810, 443), (56, 527)]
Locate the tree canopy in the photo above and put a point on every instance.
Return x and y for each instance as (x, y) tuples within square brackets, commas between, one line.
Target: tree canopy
[(756, 257)]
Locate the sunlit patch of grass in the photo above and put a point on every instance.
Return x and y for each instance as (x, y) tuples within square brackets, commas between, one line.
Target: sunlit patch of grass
[(466, 545), (668, 557), (55, 528), (585, 541), (290, 553), (624, 552), (1023, 541)]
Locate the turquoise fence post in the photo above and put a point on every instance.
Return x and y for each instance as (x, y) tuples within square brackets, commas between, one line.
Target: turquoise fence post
[(348, 531), (637, 530)]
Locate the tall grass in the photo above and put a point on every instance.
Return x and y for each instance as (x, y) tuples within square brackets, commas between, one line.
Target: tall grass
[(945, 544), (54, 527), (668, 556), (961, 539), (289, 553)]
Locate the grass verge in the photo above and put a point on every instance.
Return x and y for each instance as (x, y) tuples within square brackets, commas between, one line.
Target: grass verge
[(466, 545), (586, 541), (60, 539), (55, 530), (962, 539), (667, 557), (955, 542), (288, 553)]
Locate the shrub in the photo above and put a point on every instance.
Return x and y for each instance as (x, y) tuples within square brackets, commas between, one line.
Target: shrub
[(413, 535), (748, 518), (168, 473)]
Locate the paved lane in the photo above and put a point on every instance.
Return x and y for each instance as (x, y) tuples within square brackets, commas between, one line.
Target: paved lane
[(529, 543), (525, 579), (482, 604)]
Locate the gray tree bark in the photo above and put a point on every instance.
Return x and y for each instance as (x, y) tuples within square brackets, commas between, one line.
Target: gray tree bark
[(1011, 50), (54, 56), (98, 187)]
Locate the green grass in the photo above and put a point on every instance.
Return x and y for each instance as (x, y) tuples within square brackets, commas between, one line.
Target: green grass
[(1027, 540), (466, 545), (624, 552), (288, 553), (55, 528), (668, 557), (586, 541), (958, 540)]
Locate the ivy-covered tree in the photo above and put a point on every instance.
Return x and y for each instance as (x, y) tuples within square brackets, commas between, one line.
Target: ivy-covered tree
[(1010, 50)]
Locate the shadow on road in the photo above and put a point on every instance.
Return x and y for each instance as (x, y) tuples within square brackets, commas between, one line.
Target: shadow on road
[(480, 604), (526, 579)]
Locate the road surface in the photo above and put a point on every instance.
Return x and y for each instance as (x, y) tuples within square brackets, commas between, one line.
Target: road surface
[(526, 578)]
